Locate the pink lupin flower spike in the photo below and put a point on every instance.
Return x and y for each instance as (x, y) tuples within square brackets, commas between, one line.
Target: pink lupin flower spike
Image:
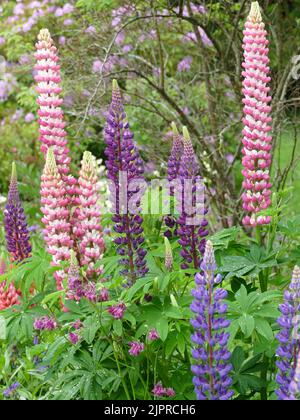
[(55, 207), (88, 229), (256, 134), (51, 116)]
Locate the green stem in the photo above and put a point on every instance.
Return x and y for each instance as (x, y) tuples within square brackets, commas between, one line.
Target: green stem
[(263, 276), (121, 376), (264, 375)]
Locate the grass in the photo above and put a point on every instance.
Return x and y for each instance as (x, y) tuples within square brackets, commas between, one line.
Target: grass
[(282, 160)]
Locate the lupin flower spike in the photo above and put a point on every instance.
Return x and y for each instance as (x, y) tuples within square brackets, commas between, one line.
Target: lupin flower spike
[(9, 296), (55, 207), (176, 154), (294, 388), (123, 158), (212, 367), (191, 207), (168, 255), (75, 285), (257, 121), (173, 174), (16, 230), (51, 116), (88, 228), (288, 336)]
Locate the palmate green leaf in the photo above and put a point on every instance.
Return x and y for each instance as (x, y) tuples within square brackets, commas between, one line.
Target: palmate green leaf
[(139, 284), (91, 326), (242, 298), (237, 358), (32, 271), (162, 327), (250, 382), (69, 391), (252, 312), (251, 264), (53, 298), (290, 227), (268, 311), (233, 330), (247, 324), (181, 344), (170, 344), (223, 238), (272, 295), (263, 328), (244, 377), (267, 347), (118, 327), (111, 266), (90, 389)]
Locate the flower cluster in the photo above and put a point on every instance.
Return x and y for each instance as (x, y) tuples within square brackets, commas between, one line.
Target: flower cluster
[(16, 230), (11, 390), (212, 368), (88, 229), (257, 139), (9, 296), (78, 288), (159, 391), (288, 338), (136, 348), (55, 200), (153, 335), (25, 15), (123, 160), (192, 223), (45, 324), (117, 311), (74, 338)]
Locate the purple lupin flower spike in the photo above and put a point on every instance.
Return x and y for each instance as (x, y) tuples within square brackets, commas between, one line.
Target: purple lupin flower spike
[(123, 159), (192, 223), (288, 336), (212, 368), (16, 230), (294, 388), (176, 154), (173, 174)]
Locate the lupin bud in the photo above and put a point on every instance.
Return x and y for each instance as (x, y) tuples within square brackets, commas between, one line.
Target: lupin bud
[(173, 301), (168, 255)]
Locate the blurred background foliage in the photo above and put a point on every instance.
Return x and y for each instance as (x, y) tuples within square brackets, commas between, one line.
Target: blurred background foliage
[(176, 60)]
